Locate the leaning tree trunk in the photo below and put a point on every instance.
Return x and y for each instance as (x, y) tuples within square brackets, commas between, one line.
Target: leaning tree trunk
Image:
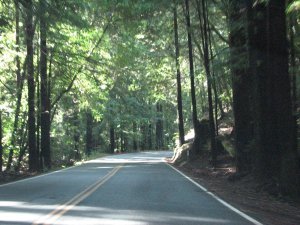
[(178, 77), (33, 154)]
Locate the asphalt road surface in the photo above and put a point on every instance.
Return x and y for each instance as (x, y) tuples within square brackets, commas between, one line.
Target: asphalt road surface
[(136, 188)]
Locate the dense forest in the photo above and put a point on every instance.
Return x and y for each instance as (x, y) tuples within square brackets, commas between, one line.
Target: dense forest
[(81, 77)]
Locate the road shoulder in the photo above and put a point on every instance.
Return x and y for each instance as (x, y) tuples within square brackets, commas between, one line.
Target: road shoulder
[(244, 195)]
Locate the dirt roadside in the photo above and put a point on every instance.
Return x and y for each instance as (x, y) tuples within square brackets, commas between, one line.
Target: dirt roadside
[(243, 194)]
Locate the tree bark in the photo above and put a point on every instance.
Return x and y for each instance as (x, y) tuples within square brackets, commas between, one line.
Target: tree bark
[(196, 145), (150, 146), (191, 61), (20, 84), (135, 142), (1, 146), (112, 139), (143, 143), (89, 133), (159, 127), (178, 78), (293, 72), (45, 101), (76, 135), (38, 115), (277, 156), (214, 86), (203, 19), (23, 141), (122, 141), (33, 154), (242, 88)]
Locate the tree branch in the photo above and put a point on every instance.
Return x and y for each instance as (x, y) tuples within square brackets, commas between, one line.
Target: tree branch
[(213, 28), (81, 68)]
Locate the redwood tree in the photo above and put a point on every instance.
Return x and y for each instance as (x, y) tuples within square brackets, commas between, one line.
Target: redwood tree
[(204, 29), (241, 85), (196, 144), (29, 31), (20, 83), (45, 101), (112, 138), (89, 132), (178, 77), (1, 146), (159, 131), (274, 120)]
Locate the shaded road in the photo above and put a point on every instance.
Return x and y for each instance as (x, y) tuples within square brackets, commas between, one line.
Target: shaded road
[(137, 188)]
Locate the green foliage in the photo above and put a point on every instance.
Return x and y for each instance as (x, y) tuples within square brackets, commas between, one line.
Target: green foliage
[(293, 6), (115, 59)]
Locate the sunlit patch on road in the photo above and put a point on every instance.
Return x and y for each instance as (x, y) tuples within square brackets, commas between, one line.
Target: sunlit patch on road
[(144, 157), (129, 189)]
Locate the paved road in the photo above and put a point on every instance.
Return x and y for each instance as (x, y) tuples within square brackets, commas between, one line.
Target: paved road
[(137, 188)]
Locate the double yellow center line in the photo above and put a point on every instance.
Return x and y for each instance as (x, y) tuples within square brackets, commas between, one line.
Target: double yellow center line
[(62, 209)]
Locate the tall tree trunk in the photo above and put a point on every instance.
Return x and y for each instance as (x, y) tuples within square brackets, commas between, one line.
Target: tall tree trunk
[(277, 156), (203, 18), (213, 76), (159, 127), (144, 136), (122, 141), (38, 116), (112, 138), (23, 142), (196, 144), (205, 40), (134, 130), (293, 72), (292, 34), (76, 135), (242, 88), (20, 84), (191, 61), (220, 102), (33, 154), (125, 142), (45, 101), (178, 77), (150, 145), (89, 133), (18, 63), (1, 146)]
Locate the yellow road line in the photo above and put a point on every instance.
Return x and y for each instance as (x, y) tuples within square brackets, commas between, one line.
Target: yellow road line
[(62, 209)]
